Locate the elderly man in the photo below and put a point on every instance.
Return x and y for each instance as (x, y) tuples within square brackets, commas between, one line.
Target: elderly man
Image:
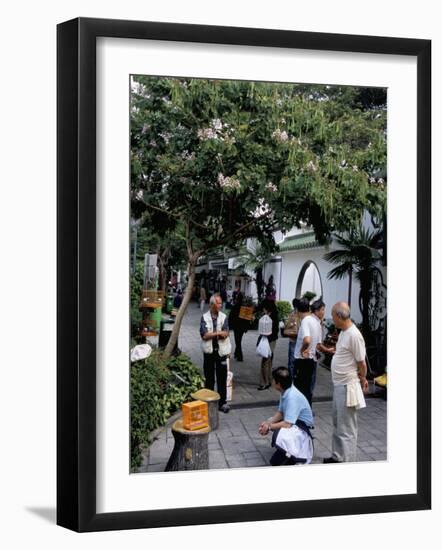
[(215, 343), (291, 423), (349, 382)]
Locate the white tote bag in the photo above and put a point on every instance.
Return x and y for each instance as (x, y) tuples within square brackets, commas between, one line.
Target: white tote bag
[(263, 349)]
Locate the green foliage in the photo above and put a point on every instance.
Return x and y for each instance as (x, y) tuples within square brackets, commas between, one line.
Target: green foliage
[(136, 287), (158, 388), (359, 253), (237, 159), (308, 295), (284, 309)]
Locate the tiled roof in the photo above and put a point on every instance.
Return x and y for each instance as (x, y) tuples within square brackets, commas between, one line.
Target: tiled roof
[(299, 242)]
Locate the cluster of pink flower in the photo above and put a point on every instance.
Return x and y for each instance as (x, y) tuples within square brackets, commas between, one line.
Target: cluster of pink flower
[(280, 136), (217, 130)]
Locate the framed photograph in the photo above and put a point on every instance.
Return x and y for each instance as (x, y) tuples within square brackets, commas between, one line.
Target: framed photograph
[(220, 191)]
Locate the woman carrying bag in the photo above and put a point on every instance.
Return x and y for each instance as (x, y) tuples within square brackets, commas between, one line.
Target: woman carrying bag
[(269, 329)]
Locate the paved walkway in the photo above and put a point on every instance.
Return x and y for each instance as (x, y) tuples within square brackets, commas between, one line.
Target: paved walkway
[(236, 443), (246, 374)]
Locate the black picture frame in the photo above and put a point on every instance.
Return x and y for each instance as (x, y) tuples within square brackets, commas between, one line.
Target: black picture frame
[(76, 274)]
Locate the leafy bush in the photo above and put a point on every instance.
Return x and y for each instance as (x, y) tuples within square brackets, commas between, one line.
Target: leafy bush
[(136, 288), (309, 295), (284, 309), (158, 388)]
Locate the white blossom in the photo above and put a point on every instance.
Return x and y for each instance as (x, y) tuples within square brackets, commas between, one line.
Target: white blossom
[(271, 187), (372, 180), (227, 182), (188, 156), (280, 136), (207, 133), (217, 130), (166, 136), (262, 208), (217, 124), (355, 168), (312, 166), (381, 181)]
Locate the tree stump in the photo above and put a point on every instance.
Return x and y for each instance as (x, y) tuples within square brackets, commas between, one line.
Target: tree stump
[(190, 451), (212, 399)]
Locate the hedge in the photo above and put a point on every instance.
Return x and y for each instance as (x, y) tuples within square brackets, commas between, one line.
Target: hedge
[(158, 388)]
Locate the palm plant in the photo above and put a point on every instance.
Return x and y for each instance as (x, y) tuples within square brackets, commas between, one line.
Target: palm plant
[(359, 255), (254, 260)]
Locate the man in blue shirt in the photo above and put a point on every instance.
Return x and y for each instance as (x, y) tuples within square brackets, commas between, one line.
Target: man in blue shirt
[(291, 423)]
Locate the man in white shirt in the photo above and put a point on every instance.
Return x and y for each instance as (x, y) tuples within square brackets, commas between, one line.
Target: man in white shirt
[(349, 372), (309, 341)]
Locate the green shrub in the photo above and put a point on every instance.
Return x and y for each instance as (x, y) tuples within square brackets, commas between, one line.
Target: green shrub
[(309, 295), (158, 388), (284, 309), (136, 288)]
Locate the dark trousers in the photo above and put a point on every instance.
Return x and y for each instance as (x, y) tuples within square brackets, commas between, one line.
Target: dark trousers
[(238, 349), (305, 369), (214, 365)]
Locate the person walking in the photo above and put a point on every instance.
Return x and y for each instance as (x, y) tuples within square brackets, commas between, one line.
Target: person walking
[(349, 372), (269, 308), (216, 347), (238, 325), (203, 298)]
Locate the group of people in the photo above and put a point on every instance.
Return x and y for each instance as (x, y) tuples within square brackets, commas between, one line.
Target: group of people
[(292, 422), (349, 371)]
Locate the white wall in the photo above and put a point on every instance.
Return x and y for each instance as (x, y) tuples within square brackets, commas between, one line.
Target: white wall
[(333, 290), (273, 268), (27, 218)]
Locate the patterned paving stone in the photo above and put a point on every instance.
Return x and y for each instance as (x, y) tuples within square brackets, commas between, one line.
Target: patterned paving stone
[(236, 443)]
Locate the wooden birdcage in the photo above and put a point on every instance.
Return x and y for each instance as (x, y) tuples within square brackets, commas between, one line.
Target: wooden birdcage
[(246, 313), (195, 415), (151, 299)]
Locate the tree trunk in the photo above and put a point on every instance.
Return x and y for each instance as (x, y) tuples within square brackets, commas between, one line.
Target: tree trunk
[(350, 280), (181, 311), (259, 284), (191, 449), (163, 258), (365, 295)]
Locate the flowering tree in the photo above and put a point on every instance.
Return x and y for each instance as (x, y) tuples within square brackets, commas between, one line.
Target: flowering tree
[(216, 162)]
